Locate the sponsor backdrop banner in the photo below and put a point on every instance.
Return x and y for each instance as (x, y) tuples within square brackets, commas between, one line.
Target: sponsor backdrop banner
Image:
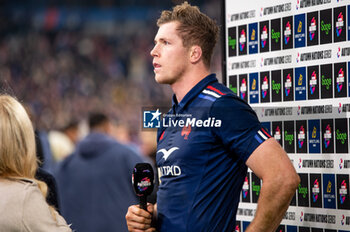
[(290, 61)]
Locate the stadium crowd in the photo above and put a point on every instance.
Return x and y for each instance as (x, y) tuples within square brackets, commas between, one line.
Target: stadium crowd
[(61, 74)]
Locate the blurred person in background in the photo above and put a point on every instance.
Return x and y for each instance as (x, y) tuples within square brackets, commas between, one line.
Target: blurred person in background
[(121, 132), (148, 148), (72, 131), (202, 169), (62, 142), (44, 154), (148, 144), (46, 163), (22, 205), (95, 181)]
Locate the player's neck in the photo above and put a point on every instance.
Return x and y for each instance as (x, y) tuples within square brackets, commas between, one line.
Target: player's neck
[(188, 81)]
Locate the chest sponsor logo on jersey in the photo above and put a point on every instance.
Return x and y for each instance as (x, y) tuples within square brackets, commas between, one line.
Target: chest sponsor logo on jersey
[(168, 170), (167, 153)]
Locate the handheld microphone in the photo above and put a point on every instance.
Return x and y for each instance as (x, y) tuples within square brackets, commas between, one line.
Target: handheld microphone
[(143, 182)]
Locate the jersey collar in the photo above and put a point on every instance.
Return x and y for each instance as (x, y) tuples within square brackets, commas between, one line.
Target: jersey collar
[(193, 92)]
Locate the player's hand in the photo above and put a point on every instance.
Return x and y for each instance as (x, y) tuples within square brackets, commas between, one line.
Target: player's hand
[(139, 220)]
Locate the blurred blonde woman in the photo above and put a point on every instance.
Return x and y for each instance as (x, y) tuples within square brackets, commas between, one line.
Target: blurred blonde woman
[(22, 197)]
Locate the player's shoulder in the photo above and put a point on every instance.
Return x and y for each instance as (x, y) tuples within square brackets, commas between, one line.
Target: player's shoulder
[(215, 91), (219, 89), (221, 95)]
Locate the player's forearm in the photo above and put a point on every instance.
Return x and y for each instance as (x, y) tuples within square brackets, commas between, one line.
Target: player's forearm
[(273, 202)]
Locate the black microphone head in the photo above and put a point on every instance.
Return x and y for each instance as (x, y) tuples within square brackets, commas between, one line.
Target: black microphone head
[(143, 179)]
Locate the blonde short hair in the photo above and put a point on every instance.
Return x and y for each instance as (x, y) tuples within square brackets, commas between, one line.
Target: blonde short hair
[(17, 141), (195, 28)]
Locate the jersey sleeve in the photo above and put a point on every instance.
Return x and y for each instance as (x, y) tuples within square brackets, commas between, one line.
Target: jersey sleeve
[(240, 130)]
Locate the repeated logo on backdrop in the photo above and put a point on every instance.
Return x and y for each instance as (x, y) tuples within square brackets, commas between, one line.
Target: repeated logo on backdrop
[(287, 23), (265, 86), (233, 84), (299, 85), (299, 31), (232, 41), (277, 131), (303, 83), (243, 86), (312, 28), (275, 35), (313, 84), (326, 81), (339, 22), (253, 38), (329, 198), (314, 136), (303, 190), (254, 88), (264, 36), (316, 190), (318, 27), (288, 93), (341, 135), (242, 40), (340, 80), (302, 132), (326, 26), (246, 189), (343, 200)]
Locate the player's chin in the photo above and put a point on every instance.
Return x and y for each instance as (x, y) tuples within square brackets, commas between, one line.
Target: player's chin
[(161, 80)]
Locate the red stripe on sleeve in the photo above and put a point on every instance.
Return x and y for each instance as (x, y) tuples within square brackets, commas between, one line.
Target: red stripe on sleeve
[(216, 90), (267, 134)]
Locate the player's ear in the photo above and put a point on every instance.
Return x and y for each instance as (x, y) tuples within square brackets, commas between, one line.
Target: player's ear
[(195, 53)]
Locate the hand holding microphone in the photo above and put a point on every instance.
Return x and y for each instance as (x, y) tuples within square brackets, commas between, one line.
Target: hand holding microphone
[(143, 182)]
